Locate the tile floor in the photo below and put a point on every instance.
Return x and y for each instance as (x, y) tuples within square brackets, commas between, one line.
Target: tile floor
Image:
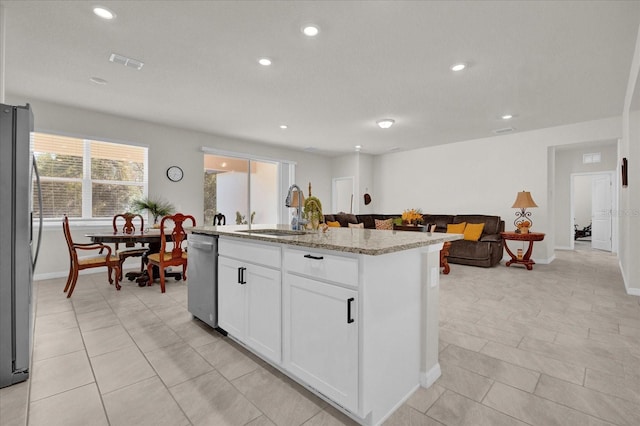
[(559, 345)]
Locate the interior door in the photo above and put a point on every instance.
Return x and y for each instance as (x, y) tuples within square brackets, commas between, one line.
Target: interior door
[(601, 203)]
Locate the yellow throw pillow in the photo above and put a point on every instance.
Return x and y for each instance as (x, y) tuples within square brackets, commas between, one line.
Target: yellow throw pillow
[(473, 231), (384, 224), (333, 224), (356, 225), (456, 228)]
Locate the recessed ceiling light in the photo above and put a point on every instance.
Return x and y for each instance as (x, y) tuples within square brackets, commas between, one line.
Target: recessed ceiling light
[(103, 13), (385, 123), (264, 62), (310, 30), (224, 164), (98, 80), (507, 117), (358, 147), (458, 67), (284, 126)]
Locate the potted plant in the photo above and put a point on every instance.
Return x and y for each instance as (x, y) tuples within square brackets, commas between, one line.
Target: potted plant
[(156, 207), (312, 211)]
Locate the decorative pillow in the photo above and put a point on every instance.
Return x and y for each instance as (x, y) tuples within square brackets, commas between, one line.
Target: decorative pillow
[(473, 231), (384, 224), (356, 225), (456, 228), (331, 224)]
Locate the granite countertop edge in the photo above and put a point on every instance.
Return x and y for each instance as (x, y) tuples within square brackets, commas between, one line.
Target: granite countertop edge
[(350, 240)]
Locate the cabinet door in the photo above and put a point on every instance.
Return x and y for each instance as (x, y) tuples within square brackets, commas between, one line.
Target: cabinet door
[(263, 293), (231, 297), (321, 337)]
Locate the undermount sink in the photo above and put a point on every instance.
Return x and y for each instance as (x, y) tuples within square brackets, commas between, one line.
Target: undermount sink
[(274, 232)]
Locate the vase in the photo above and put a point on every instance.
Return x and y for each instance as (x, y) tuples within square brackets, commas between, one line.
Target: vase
[(315, 223)]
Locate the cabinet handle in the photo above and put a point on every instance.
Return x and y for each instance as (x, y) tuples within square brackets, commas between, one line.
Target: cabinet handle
[(241, 275), (308, 256), (349, 319)]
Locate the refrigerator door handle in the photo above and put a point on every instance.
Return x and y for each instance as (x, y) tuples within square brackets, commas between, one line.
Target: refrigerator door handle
[(35, 169)]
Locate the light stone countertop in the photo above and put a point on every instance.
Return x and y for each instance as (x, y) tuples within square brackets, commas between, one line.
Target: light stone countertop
[(353, 240)]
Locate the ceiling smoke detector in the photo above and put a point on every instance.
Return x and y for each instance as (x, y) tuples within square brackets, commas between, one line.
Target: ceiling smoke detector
[(127, 62)]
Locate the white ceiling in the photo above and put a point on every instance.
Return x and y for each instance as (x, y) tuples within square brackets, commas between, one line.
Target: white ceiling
[(549, 63)]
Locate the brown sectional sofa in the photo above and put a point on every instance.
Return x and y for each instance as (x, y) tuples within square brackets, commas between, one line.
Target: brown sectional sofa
[(486, 252)]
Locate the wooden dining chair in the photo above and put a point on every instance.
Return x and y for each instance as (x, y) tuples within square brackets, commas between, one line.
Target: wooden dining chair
[(178, 255), (219, 219), (126, 223), (78, 263)]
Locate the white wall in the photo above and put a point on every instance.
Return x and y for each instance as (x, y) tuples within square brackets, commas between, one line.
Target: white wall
[(482, 176), (568, 162), (232, 195), (582, 200), (264, 193), (361, 167), (167, 146), (629, 214)]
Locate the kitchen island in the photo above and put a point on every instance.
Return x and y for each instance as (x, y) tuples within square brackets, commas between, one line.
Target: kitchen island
[(351, 314)]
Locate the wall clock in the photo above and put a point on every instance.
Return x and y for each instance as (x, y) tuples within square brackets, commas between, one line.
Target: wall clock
[(175, 173)]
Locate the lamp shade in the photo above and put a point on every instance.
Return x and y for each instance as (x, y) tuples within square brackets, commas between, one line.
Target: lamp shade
[(524, 201), (294, 199)]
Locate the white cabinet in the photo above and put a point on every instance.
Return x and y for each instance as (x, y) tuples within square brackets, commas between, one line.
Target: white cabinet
[(321, 322), (321, 337), (249, 296)]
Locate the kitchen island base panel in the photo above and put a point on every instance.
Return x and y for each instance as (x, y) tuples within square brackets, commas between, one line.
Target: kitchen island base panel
[(378, 299)]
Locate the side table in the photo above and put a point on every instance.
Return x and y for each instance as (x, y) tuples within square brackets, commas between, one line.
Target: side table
[(526, 259)]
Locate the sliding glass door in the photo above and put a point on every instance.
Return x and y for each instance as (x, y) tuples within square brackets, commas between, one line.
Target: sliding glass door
[(243, 190)]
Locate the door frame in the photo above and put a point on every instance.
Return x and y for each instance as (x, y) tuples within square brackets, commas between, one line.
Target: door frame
[(614, 204)]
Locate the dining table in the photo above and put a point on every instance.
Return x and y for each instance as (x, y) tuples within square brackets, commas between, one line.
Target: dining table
[(151, 237)]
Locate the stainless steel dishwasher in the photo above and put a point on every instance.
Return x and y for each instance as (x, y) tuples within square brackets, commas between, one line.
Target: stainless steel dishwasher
[(202, 277)]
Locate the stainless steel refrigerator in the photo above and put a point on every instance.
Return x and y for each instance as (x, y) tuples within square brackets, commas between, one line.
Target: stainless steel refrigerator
[(17, 256)]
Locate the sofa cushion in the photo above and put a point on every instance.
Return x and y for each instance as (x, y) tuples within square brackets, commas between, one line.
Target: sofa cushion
[(469, 249), (456, 228), (329, 218), (345, 219), (473, 231), (491, 223), (356, 225), (440, 220)]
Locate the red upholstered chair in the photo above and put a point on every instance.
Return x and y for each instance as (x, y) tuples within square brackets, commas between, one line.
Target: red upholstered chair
[(177, 255), (79, 263), (126, 224)]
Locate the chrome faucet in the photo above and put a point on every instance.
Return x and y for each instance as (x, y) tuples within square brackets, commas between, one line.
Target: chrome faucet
[(297, 222)]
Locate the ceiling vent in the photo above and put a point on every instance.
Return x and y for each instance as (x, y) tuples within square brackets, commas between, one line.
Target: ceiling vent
[(127, 62), (503, 130)]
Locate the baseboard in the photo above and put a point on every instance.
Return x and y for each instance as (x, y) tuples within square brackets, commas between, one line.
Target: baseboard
[(631, 291), (546, 261), (430, 377)]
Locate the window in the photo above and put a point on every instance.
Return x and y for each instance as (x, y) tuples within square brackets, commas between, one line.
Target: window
[(88, 179), (591, 158)]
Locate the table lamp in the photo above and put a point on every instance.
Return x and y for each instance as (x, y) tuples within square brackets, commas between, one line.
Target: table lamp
[(523, 218)]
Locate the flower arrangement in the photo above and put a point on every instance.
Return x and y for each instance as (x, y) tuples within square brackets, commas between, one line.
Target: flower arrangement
[(412, 216)]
